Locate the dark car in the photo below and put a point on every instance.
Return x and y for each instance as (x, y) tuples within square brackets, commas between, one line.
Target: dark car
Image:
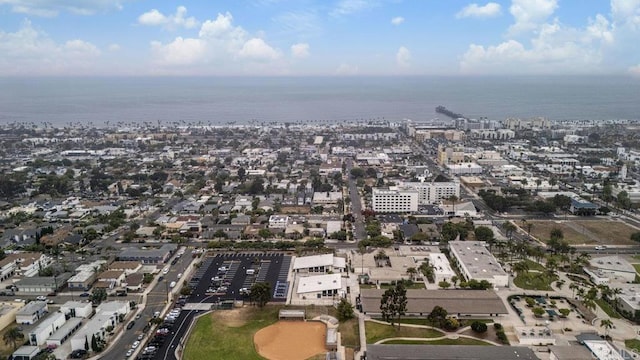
[(130, 325), (84, 295)]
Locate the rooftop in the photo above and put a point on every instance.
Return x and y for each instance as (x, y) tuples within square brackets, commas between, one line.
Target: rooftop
[(438, 352), (319, 283), (454, 301)]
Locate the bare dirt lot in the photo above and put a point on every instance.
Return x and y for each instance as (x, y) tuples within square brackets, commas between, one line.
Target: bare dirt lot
[(291, 340), (585, 232)]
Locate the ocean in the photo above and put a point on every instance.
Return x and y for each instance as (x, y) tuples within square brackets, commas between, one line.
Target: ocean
[(242, 100)]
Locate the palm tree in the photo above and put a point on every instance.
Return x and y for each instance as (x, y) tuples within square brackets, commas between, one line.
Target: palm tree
[(454, 281), (520, 267), (13, 337), (411, 272), (453, 200), (607, 324), (573, 286), (508, 228)]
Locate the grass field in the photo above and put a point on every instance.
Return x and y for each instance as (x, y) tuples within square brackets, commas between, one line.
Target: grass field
[(458, 341), (607, 308), (216, 336), (376, 332), (632, 344), (349, 333), (576, 231), (534, 281), (637, 267)]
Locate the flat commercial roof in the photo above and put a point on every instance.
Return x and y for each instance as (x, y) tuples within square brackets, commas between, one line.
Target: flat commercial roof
[(319, 283), (476, 259), (31, 308), (65, 329), (305, 262), (452, 352), (454, 301)]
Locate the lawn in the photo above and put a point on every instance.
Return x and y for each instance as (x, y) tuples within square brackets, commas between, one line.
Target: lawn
[(633, 344), (413, 321), (534, 265), (458, 341), (534, 281), (349, 333), (376, 332), (607, 308), (215, 336), (637, 267)]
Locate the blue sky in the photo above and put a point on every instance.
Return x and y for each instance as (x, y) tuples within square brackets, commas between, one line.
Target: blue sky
[(321, 37)]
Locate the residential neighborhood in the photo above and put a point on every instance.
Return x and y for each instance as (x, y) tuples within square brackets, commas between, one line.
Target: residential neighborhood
[(407, 239)]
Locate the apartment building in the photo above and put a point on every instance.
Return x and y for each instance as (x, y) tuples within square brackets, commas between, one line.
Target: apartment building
[(394, 200), (433, 192)]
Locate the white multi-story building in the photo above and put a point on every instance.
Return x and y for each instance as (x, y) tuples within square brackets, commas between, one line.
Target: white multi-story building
[(476, 262), (433, 192), (394, 200)]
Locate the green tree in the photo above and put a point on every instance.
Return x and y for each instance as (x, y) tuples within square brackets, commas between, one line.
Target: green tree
[(635, 236), (444, 284), (13, 337), (98, 296), (537, 311), (345, 310), (607, 324), (394, 304), (479, 327), (261, 293), (437, 316)]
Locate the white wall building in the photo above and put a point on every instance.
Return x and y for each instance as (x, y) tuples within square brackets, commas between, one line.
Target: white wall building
[(77, 309), (32, 312), (39, 335), (433, 192), (278, 221), (441, 268), (476, 262), (394, 200), (320, 287), (319, 264)]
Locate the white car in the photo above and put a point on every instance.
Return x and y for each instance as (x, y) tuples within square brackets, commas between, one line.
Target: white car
[(129, 353), (165, 271), (41, 298), (135, 344)]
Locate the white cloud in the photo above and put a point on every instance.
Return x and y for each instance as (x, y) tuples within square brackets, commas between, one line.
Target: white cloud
[(397, 20), (403, 57), (302, 24), (300, 51), (29, 51), (346, 69), (180, 51), (171, 21), (51, 8), (529, 14), (113, 47), (480, 11), (348, 7), (257, 49), (626, 12), (220, 48)]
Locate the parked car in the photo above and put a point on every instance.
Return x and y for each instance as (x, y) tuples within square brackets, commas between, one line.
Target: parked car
[(130, 325), (85, 295), (135, 344)]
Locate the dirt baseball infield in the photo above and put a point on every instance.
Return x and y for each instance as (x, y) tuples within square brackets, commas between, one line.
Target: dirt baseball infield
[(291, 340)]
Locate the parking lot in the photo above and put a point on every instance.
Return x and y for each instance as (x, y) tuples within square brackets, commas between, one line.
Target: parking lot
[(220, 278)]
